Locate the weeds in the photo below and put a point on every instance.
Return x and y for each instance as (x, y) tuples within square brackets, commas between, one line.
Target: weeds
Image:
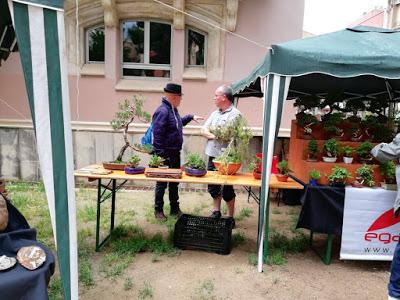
[(146, 291), (244, 213), (205, 290), (55, 289), (252, 259), (238, 239), (128, 284)]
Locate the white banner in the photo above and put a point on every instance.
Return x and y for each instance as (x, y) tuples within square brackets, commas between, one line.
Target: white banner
[(370, 231)]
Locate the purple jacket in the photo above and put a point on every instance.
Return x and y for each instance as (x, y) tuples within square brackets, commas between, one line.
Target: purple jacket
[(167, 129)]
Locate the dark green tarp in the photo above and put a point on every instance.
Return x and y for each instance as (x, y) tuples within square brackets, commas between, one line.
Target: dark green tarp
[(7, 35), (369, 56)]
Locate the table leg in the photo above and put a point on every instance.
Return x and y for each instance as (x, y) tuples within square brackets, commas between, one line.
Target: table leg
[(327, 258)]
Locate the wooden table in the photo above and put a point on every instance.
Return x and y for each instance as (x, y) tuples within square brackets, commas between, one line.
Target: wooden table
[(240, 179)]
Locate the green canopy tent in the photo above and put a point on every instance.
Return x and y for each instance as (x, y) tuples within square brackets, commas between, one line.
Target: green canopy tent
[(361, 62), (39, 29)]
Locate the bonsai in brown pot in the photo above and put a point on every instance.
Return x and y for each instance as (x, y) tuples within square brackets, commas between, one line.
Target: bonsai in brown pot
[(284, 170)]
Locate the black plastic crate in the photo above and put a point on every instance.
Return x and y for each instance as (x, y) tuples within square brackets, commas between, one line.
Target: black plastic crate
[(203, 233)]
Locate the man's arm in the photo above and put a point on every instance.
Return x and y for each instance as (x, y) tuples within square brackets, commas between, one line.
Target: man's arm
[(159, 129), (205, 130), (384, 152)]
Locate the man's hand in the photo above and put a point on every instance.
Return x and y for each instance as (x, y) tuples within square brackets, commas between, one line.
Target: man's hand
[(197, 118)]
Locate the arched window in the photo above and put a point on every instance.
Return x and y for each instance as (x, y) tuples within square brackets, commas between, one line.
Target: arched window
[(94, 45), (146, 49)]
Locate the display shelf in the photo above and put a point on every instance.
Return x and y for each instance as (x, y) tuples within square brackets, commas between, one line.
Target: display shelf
[(301, 167)]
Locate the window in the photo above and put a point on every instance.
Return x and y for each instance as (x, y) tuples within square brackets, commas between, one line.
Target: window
[(95, 45), (195, 48), (146, 49)]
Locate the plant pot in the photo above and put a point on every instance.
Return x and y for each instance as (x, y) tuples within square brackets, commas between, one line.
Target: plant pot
[(313, 182), (347, 160), (195, 172), (389, 186), (356, 184), (114, 166), (229, 169), (312, 159), (256, 174), (366, 160), (329, 159), (282, 178), (337, 184), (134, 170)]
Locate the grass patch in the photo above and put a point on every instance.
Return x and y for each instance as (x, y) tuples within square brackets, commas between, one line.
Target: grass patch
[(244, 213), (86, 273), (252, 259), (55, 289), (276, 258), (146, 291), (238, 239), (205, 290), (276, 211), (114, 264), (87, 213), (128, 283)]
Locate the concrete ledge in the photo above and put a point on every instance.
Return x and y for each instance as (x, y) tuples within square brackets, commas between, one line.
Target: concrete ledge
[(145, 85), (135, 128), (195, 73), (92, 70)]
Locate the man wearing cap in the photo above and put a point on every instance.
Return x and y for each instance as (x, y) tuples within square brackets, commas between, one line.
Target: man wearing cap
[(167, 143), (225, 114)]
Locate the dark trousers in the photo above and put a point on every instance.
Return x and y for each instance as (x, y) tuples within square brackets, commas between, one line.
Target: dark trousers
[(227, 192), (172, 161), (394, 283)]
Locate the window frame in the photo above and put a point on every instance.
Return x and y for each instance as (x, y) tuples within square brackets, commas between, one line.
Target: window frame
[(146, 65), (87, 30), (187, 46)]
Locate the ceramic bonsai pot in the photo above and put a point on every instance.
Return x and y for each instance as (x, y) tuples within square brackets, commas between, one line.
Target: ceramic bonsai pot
[(195, 172), (114, 166), (282, 178), (329, 159), (229, 169), (347, 160), (135, 170)]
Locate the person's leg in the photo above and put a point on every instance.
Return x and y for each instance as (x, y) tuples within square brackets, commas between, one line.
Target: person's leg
[(215, 192), (175, 163), (394, 283), (159, 200), (228, 194)]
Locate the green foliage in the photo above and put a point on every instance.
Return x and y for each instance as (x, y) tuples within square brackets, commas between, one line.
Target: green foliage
[(237, 135), (230, 155), (314, 174), (128, 284), (307, 102), (339, 175), (370, 121), (134, 161), (283, 167), (252, 259), (332, 121), (156, 161), (244, 213), (238, 239), (388, 171), (364, 150), (194, 161), (383, 133), (146, 291), (255, 165), (366, 174), (312, 148), (305, 119), (354, 106), (347, 151), (331, 148), (55, 289)]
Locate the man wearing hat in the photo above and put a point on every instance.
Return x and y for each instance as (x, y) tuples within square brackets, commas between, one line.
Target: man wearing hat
[(167, 143)]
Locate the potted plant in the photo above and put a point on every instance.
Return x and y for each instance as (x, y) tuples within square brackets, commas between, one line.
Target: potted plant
[(133, 167), (347, 154), (356, 134), (331, 125), (195, 165), (388, 171), (156, 161), (339, 176), (128, 112), (312, 150), (305, 122), (284, 171), (256, 167), (314, 175), (331, 150), (365, 175), (364, 152), (237, 136)]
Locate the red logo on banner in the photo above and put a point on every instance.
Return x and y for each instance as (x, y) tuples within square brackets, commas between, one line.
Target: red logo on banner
[(386, 219)]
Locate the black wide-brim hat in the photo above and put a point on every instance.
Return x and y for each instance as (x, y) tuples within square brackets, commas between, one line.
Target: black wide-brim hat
[(173, 88)]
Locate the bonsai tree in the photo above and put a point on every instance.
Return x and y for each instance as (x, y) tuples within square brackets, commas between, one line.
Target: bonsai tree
[(331, 148), (364, 151), (331, 124), (365, 175), (347, 154), (388, 171), (134, 161), (194, 161), (339, 176), (314, 175), (307, 102), (156, 161), (354, 106), (284, 170), (255, 165), (129, 111), (312, 150)]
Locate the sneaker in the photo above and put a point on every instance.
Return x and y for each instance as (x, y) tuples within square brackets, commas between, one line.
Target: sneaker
[(176, 213), (233, 223), (159, 215), (216, 214)]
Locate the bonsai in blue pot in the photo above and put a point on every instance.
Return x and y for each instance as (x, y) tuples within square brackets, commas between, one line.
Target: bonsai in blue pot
[(195, 165), (314, 175), (133, 166)]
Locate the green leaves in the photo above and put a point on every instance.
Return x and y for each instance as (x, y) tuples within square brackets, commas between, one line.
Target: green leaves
[(194, 161)]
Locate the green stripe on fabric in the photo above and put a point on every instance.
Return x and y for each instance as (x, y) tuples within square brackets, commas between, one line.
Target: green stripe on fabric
[(58, 146), (21, 26), (263, 200), (282, 83), (59, 4)]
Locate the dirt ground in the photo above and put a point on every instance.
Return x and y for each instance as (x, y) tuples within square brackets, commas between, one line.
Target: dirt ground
[(202, 275)]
